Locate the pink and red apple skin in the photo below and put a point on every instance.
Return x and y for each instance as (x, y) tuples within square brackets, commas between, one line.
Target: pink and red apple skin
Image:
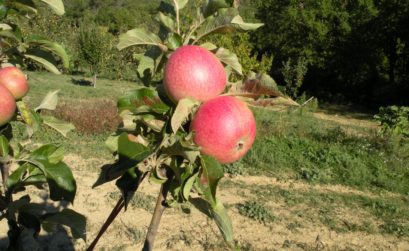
[(224, 128), (194, 72), (7, 105), (15, 81)]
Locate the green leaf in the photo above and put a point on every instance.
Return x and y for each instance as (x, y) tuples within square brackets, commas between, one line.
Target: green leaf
[(49, 102), (230, 59), (68, 217), (209, 46), (44, 62), (56, 156), (180, 4), (130, 155), (15, 206), (217, 24), (128, 184), (174, 41), (183, 110), (146, 66), (214, 5), (167, 21), (207, 183), (223, 221), (35, 176), (153, 123), (113, 171), (3, 9), (241, 25), (60, 181), (257, 86), (4, 146), (184, 147), (112, 143), (56, 5), (43, 152), (15, 178), (31, 118), (139, 37), (9, 33), (149, 64), (187, 187), (5, 27), (142, 100), (132, 150), (227, 20), (25, 113), (24, 6), (29, 221), (156, 178), (52, 47), (59, 176), (210, 176), (60, 126)]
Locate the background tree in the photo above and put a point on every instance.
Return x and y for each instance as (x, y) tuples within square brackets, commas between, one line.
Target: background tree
[(354, 48)]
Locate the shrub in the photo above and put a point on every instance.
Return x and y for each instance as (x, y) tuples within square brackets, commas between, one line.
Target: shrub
[(394, 120), (95, 46), (294, 76), (240, 44), (255, 211), (90, 117)]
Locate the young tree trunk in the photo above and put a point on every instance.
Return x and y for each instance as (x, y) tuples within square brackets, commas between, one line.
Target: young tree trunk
[(157, 215), (94, 80)]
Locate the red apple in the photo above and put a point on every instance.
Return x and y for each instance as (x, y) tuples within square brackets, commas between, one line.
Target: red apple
[(194, 72), (224, 128), (15, 81), (7, 105)]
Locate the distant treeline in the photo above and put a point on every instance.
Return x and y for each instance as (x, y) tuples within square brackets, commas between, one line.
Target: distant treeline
[(338, 50), (355, 50)]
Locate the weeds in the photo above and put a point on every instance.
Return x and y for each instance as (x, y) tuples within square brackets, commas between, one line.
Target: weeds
[(139, 200), (299, 146), (255, 211), (337, 211)]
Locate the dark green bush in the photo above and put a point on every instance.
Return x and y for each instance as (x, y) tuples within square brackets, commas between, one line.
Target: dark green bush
[(394, 120), (240, 44)]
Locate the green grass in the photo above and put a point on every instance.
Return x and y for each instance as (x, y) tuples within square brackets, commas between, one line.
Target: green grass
[(292, 145), (93, 109), (383, 214), (139, 200), (299, 146), (256, 211), (42, 82)]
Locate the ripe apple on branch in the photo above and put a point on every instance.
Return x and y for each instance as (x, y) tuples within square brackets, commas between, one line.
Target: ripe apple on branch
[(189, 119)]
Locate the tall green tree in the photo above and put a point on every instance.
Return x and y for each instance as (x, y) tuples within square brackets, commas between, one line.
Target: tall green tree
[(356, 48)]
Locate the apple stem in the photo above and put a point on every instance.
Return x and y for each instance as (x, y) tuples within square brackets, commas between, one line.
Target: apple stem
[(157, 215)]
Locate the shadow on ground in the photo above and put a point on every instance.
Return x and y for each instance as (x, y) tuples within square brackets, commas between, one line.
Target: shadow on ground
[(81, 82), (29, 235)]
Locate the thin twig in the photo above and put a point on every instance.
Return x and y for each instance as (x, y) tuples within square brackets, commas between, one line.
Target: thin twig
[(157, 215), (115, 211), (5, 172)]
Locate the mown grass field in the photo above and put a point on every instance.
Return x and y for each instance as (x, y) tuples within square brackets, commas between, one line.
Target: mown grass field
[(312, 181)]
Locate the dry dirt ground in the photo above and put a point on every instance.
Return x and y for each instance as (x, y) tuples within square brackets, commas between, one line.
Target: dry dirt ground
[(189, 229), (195, 231)]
